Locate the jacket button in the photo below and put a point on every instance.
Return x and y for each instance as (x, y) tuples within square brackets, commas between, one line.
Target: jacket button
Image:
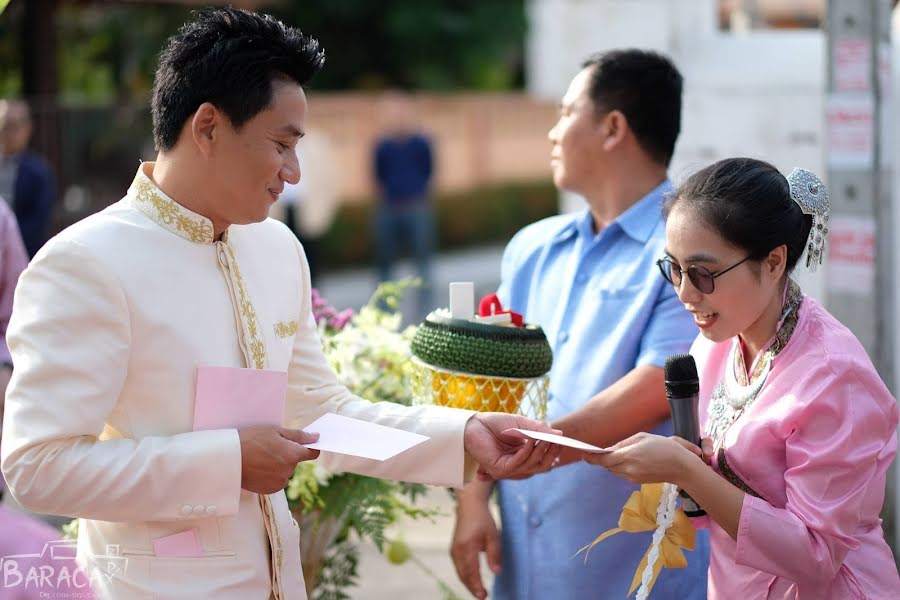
[(186, 510)]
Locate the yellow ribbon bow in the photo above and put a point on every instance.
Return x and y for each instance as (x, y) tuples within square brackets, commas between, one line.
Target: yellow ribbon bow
[(639, 514)]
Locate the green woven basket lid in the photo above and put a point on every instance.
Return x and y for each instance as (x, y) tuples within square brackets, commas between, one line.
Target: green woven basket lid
[(482, 349)]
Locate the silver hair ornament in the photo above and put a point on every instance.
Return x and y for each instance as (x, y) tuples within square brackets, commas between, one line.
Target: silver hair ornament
[(809, 192)]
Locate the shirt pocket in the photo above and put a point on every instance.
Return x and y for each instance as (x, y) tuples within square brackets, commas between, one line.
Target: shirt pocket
[(282, 334), (208, 531), (619, 306)]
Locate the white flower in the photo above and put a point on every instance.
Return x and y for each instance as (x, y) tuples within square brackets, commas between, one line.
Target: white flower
[(321, 474)]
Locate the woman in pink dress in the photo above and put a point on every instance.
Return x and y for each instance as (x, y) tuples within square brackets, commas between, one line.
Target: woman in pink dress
[(801, 429)]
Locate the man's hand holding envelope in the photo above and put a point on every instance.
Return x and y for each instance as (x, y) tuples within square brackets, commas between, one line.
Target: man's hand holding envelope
[(270, 452)]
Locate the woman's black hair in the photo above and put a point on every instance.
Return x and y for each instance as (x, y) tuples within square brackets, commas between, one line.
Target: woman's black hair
[(748, 202)]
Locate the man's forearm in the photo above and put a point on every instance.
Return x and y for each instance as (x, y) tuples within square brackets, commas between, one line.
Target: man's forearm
[(475, 492), (635, 403)]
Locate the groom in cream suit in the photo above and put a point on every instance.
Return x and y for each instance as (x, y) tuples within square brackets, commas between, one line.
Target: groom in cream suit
[(115, 314)]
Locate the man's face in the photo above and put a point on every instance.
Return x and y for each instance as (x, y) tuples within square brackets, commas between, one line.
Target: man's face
[(576, 138), (396, 114), (15, 128), (250, 166)]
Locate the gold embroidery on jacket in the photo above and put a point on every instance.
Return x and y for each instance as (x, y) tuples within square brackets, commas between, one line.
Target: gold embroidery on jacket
[(175, 218), (274, 545), (171, 215), (248, 314), (284, 329)]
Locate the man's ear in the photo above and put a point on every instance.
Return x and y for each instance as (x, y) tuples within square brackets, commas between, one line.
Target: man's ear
[(206, 127), (614, 127)]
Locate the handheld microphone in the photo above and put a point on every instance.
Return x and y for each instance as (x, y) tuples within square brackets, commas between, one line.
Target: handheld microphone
[(683, 393)]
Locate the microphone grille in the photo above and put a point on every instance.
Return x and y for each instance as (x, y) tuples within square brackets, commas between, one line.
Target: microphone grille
[(681, 367)]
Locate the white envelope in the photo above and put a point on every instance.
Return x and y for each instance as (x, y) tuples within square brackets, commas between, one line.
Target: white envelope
[(343, 435), (558, 439)]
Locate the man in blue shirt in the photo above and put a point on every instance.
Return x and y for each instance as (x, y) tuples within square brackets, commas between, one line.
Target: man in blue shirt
[(403, 168), (26, 180), (590, 281)]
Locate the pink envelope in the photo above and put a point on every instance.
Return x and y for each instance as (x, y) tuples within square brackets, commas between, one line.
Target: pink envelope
[(229, 398), (185, 544)]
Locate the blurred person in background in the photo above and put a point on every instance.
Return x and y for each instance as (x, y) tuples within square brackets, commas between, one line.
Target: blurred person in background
[(19, 533), (308, 207), (26, 180), (13, 260), (403, 169), (589, 279)]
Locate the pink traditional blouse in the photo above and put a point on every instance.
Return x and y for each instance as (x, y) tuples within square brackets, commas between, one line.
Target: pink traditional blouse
[(814, 446)]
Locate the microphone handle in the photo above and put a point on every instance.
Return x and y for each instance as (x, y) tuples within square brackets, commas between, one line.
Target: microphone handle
[(686, 425)]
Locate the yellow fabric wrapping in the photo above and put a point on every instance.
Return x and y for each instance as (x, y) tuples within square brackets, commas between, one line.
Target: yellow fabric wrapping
[(639, 514)]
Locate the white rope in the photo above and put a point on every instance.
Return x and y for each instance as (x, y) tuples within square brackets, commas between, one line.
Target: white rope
[(665, 516)]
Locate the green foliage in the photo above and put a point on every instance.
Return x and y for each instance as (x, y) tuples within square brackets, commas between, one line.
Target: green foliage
[(303, 489), (426, 44), (339, 572), (371, 356), (108, 51), (370, 505), (70, 530), (481, 215)]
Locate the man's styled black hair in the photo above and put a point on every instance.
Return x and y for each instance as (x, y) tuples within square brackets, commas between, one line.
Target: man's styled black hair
[(644, 86), (228, 57)]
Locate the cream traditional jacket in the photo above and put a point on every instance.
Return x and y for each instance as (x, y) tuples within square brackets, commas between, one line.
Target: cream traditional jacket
[(110, 322)]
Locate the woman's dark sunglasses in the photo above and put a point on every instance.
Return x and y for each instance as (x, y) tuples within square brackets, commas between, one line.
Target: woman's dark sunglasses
[(701, 277)]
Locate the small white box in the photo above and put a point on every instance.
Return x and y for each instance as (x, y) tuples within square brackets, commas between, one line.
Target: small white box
[(462, 299)]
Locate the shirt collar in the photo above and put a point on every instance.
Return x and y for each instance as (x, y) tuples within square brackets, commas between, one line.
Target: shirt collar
[(165, 212), (637, 222)]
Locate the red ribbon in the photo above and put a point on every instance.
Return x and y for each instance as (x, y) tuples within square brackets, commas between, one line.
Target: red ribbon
[(490, 305)]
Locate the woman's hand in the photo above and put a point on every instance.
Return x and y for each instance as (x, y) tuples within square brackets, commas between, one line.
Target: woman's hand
[(648, 458), (706, 444)]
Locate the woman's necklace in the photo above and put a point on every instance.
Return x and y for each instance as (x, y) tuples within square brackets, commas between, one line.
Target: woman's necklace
[(732, 397), (739, 396)]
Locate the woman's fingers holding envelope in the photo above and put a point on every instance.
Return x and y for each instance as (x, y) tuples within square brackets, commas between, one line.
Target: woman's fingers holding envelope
[(648, 458)]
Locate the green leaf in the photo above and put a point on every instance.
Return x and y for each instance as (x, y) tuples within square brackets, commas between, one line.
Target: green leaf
[(339, 572)]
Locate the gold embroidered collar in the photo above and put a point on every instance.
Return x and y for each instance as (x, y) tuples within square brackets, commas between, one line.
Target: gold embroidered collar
[(792, 300), (165, 212)]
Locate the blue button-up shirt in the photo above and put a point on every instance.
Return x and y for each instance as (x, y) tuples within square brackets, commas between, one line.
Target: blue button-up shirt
[(606, 310)]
